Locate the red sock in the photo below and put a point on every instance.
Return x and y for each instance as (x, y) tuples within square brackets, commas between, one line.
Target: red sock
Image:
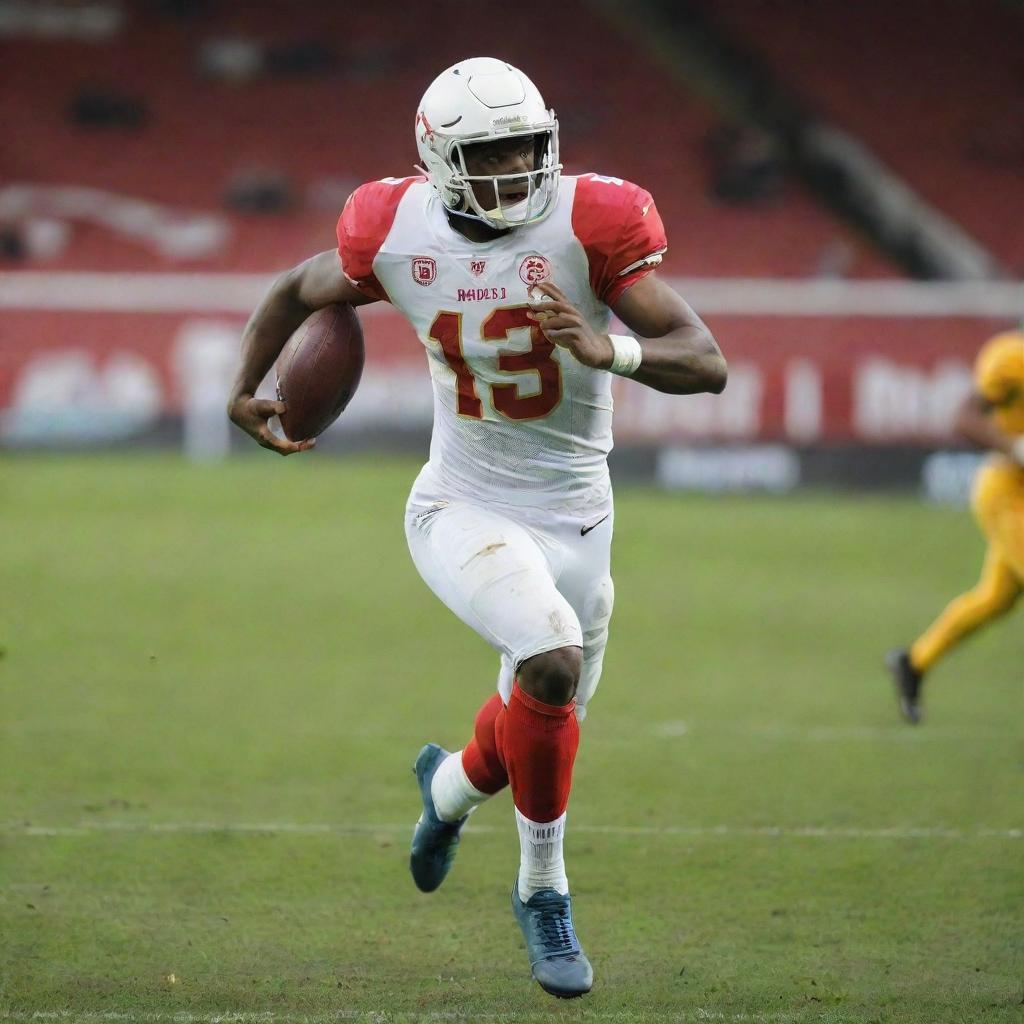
[(482, 758), (539, 743)]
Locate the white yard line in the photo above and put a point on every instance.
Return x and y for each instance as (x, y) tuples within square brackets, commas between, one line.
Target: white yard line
[(25, 830), (786, 733), (868, 733)]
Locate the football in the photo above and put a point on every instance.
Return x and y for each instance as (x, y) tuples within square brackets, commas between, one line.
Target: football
[(318, 371)]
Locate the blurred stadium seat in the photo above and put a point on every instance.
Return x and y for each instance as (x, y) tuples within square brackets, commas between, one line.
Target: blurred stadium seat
[(934, 87), (325, 126)]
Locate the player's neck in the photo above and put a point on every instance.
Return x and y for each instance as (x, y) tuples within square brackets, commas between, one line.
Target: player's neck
[(475, 230)]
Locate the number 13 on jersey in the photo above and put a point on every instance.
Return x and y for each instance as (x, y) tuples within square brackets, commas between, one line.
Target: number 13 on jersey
[(446, 330)]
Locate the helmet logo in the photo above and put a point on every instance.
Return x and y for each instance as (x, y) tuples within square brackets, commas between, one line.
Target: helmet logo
[(424, 270), (428, 132), (477, 267), (534, 269)]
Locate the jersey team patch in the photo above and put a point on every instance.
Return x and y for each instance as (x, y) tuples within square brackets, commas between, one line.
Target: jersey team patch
[(424, 270), (534, 269)]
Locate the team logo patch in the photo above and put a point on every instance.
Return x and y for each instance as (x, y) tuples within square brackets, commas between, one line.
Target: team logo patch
[(477, 267), (424, 270), (534, 269)]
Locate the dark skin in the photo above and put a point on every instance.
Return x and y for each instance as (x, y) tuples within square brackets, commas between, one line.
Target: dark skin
[(680, 356), (513, 156)]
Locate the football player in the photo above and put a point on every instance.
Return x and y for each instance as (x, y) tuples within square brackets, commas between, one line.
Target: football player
[(508, 271), (992, 417)]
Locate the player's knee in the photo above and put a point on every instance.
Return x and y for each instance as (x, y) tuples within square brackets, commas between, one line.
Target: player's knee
[(552, 677), (1008, 598), (998, 599)]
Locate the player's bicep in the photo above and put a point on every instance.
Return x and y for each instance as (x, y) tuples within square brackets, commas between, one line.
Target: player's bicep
[(653, 309), (321, 281)]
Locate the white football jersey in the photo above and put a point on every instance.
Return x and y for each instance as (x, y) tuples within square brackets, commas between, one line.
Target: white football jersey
[(518, 421)]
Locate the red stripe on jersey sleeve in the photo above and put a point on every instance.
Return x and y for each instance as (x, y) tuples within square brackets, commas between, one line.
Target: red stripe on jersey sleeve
[(362, 227), (618, 226)]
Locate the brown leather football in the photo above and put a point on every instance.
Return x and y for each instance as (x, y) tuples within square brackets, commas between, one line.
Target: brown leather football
[(318, 371)]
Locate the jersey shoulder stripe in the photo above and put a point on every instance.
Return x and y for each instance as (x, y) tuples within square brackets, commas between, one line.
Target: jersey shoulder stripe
[(364, 224)]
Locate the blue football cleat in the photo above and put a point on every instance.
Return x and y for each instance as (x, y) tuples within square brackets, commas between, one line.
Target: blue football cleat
[(558, 964), (434, 842)]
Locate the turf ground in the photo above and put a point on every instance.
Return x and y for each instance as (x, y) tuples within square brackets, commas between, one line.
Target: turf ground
[(215, 681)]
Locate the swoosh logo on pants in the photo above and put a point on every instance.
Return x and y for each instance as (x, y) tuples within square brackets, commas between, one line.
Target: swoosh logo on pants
[(584, 530)]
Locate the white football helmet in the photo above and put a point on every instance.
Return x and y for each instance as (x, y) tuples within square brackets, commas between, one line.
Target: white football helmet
[(485, 100)]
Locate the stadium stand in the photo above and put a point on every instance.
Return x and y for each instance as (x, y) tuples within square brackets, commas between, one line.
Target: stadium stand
[(219, 96), (934, 87)]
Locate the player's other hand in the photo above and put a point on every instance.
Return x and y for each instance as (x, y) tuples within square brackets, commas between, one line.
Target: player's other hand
[(252, 416), (566, 326)]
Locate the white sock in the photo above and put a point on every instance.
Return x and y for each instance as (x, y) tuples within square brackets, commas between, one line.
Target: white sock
[(454, 795), (540, 856)]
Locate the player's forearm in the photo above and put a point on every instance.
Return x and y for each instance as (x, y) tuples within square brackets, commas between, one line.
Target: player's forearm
[(274, 321), (679, 354), (686, 361)]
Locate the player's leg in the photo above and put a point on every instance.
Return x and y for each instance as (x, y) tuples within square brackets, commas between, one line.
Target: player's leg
[(482, 759), (505, 578), (1007, 527), (496, 576), (447, 791), (543, 683), (536, 734), (994, 594), (584, 579), (550, 686), (493, 575), (539, 735), (1000, 512), (453, 784)]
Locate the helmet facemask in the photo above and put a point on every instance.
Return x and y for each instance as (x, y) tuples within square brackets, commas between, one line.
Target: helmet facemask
[(535, 190)]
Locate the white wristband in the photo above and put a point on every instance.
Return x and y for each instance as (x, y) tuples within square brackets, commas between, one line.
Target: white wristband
[(628, 355), (1018, 451)]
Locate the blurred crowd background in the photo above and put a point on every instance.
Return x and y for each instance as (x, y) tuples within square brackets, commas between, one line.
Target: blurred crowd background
[(842, 183)]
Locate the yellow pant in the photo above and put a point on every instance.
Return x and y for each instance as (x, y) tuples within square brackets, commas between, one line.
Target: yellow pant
[(998, 503)]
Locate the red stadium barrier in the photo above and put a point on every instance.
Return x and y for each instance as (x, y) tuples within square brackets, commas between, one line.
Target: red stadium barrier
[(801, 377)]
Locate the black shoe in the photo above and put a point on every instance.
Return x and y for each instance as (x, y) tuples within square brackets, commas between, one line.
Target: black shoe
[(908, 683)]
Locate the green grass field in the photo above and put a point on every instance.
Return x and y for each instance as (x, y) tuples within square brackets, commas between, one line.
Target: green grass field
[(215, 679)]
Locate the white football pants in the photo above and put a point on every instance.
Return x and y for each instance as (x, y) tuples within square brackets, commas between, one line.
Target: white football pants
[(526, 584)]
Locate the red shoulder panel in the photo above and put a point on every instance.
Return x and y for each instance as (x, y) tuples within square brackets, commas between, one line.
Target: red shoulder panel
[(363, 226), (619, 227)]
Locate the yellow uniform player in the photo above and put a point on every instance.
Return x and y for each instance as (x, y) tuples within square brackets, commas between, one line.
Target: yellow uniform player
[(992, 416)]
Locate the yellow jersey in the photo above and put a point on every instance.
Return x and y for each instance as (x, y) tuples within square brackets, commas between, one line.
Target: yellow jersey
[(999, 379)]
